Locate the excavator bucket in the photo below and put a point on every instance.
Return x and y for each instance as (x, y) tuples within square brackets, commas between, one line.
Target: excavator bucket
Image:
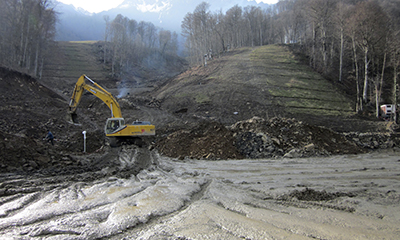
[(72, 117)]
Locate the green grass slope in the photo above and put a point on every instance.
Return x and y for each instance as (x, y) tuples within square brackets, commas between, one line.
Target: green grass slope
[(295, 86)]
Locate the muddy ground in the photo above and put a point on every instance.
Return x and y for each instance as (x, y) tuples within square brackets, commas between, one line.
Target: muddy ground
[(337, 197)]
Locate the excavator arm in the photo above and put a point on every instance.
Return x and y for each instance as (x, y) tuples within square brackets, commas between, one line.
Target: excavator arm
[(96, 90)]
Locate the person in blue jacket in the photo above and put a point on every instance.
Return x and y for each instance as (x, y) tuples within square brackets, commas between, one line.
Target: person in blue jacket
[(50, 137)]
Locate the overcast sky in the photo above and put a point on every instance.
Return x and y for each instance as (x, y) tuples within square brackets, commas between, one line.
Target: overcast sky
[(96, 6)]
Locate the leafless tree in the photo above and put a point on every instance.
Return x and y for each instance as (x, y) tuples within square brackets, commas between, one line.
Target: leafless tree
[(370, 25), (197, 29), (165, 39), (27, 28), (106, 35), (234, 26)]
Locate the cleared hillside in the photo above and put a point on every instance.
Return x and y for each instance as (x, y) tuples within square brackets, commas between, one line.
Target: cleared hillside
[(295, 86), (265, 81), (68, 61)]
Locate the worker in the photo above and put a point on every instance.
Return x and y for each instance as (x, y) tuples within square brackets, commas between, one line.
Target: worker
[(50, 137), (114, 125)]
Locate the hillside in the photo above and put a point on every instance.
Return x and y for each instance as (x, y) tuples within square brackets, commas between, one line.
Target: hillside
[(265, 82), (252, 103), (68, 61)]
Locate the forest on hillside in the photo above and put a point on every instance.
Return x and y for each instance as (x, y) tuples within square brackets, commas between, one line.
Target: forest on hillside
[(351, 42), (27, 27), (129, 43), (354, 43)]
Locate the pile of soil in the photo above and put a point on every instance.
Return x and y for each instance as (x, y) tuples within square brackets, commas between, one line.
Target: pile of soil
[(260, 138), (309, 194), (256, 138), (209, 140)]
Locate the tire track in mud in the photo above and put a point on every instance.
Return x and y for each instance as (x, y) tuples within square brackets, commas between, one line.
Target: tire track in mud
[(48, 223), (358, 210), (99, 213), (17, 196), (156, 220)]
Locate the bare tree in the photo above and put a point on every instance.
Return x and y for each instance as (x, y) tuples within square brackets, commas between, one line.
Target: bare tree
[(196, 28), (27, 28), (106, 35), (320, 13), (165, 39), (370, 28), (340, 20), (234, 26)]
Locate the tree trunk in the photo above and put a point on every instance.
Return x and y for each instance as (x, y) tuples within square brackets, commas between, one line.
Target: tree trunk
[(37, 57), (377, 97), (324, 50), (106, 19), (382, 76), (395, 87), (359, 103), (366, 63), (341, 54)]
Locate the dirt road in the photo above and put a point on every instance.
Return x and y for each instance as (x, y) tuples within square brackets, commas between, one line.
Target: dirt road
[(341, 197)]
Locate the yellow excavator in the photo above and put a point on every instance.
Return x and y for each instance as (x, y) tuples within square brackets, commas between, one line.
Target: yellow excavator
[(115, 126)]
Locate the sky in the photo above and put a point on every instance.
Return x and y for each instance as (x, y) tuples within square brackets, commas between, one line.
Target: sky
[(96, 6)]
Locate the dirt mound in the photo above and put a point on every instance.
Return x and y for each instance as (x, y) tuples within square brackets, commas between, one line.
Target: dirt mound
[(309, 194), (16, 150), (255, 138), (209, 140)]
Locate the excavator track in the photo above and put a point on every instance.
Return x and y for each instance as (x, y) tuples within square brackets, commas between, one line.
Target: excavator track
[(120, 141)]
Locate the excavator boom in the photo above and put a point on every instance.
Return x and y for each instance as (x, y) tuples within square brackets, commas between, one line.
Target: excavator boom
[(96, 90)]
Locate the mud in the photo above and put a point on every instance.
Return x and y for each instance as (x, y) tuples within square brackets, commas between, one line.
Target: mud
[(323, 198)]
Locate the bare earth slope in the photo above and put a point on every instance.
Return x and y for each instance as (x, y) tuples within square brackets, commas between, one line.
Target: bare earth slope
[(28, 111), (274, 106)]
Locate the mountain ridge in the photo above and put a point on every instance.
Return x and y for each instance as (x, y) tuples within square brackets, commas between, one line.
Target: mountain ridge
[(76, 24)]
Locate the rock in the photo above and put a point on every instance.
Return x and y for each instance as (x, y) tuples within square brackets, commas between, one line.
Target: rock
[(294, 153), (309, 146)]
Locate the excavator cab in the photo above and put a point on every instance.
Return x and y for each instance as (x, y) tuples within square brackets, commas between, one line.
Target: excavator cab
[(113, 125)]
